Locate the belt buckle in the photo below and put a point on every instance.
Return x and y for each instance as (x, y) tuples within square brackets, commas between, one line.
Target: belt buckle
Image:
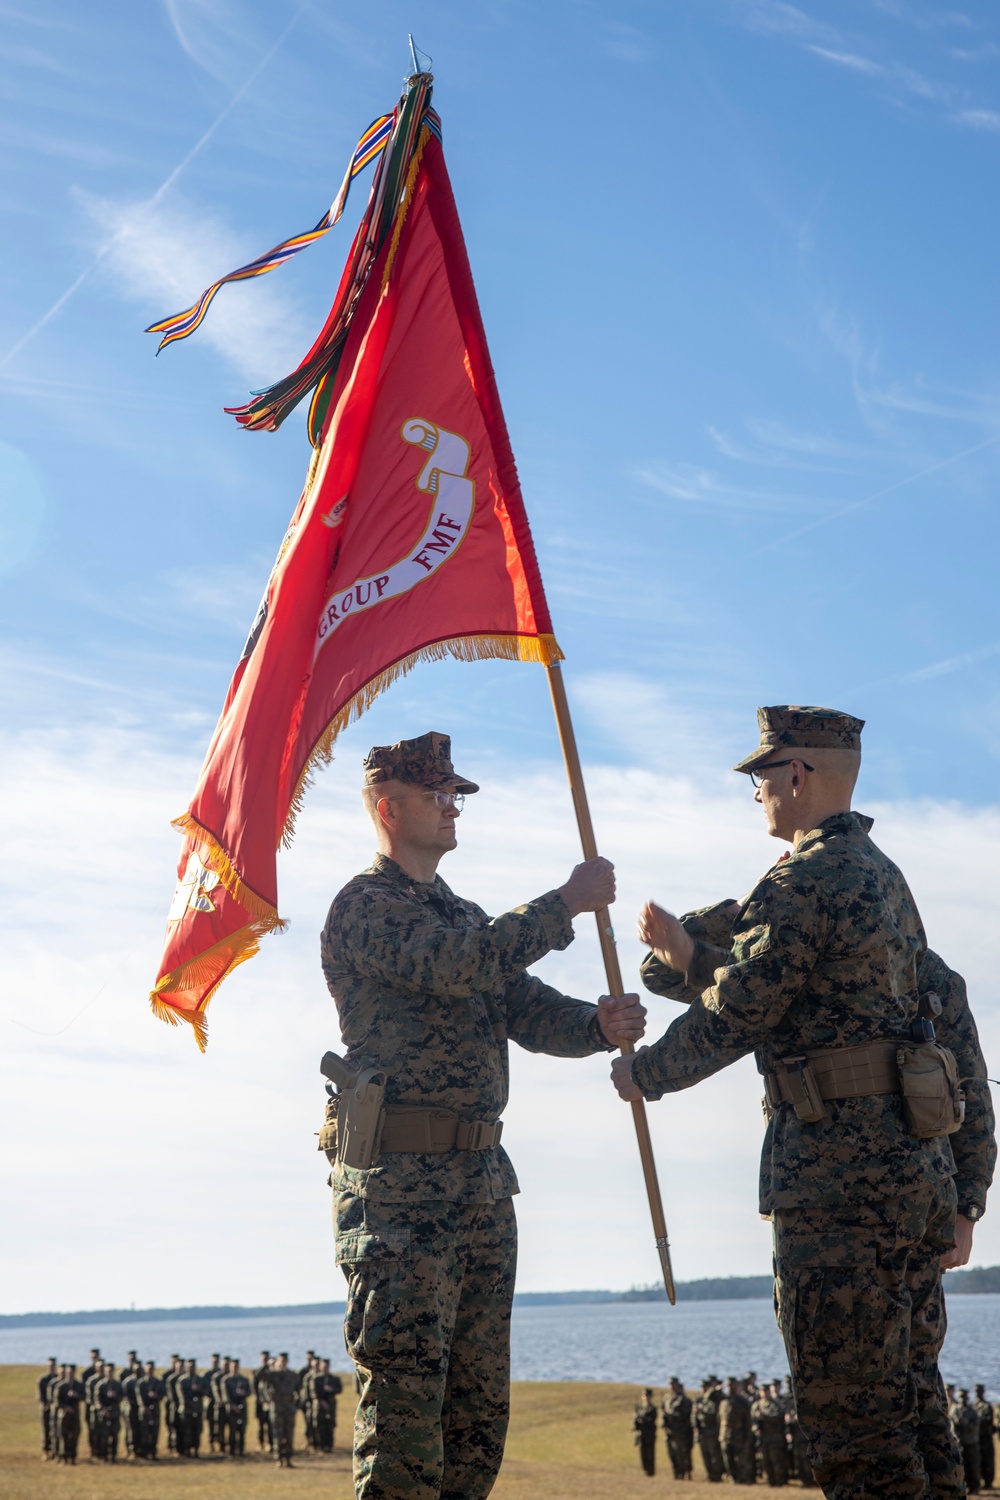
[(480, 1135)]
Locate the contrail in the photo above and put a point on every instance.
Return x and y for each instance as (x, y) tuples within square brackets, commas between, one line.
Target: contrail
[(870, 499), (164, 187)]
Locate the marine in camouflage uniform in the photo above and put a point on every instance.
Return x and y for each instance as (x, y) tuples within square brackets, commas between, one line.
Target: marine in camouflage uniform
[(107, 1422), (261, 1409), (429, 990), (768, 1419), (67, 1399), (280, 1385), (828, 953), (736, 1435), (217, 1390), (236, 1390), (170, 1379), (965, 1423), (644, 1427), (210, 1384), (130, 1407), (45, 1386), (987, 1427), (326, 1387), (89, 1380), (706, 1426), (304, 1395), (678, 1429), (190, 1409), (150, 1393)]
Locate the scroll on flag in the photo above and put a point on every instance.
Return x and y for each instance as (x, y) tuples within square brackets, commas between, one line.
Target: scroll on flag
[(409, 542)]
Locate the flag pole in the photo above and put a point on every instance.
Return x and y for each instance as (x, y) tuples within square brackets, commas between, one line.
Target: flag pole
[(606, 937)]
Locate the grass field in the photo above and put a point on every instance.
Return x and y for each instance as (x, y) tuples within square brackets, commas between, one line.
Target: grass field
[(568, 1441)]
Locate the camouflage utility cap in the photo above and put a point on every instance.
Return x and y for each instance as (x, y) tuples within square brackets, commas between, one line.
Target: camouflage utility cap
[(425, 761), (788, 726)]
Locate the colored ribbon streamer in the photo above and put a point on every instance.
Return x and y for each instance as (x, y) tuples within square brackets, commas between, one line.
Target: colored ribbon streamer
[(181, 325)]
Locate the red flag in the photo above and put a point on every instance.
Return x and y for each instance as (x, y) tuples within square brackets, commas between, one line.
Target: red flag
[(409, 542)]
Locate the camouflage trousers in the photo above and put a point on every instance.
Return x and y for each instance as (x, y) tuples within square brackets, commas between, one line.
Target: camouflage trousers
[(711, 1455), (679, 1453), (430, 1287), (859, 1304), (738, 1458)]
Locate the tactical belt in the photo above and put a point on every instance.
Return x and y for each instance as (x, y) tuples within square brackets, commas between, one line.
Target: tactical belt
[(841, 1073), (433, 1131)]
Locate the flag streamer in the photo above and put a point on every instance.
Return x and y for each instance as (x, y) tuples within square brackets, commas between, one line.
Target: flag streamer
[(183, 324)]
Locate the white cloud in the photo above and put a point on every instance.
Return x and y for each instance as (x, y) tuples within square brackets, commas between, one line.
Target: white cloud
[(165, 254), (690, 484), (214, 34), (120, 1135), (847, 60), (979, 119)]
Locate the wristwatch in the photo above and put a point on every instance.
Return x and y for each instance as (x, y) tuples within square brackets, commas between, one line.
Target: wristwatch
[(970, 1211)]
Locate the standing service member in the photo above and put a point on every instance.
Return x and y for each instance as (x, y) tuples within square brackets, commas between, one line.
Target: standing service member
[(429, 990), (824, 973)]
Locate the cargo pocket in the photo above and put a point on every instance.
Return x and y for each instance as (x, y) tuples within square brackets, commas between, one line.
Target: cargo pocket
[(378, 1329), (833, 1311)]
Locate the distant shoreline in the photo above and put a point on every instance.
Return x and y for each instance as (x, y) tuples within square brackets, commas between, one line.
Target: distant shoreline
[(981, 1279)]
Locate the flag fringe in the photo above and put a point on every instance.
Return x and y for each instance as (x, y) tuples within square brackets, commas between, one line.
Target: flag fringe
[(201, 970), (405, 199), (216, 859), (543, 649)]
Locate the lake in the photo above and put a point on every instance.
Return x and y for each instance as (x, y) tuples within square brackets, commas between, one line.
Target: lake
[(642, 1343)]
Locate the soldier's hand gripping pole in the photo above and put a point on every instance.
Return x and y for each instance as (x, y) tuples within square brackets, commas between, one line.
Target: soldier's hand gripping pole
[(609, 952)]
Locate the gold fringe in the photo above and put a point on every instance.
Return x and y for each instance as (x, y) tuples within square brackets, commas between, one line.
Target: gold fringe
[(313, 466), (200, 971), (216, 859), (404, 202), (543, 649), (537, 648)]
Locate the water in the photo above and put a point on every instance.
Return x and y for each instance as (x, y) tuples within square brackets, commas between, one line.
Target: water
[(640, 1343)]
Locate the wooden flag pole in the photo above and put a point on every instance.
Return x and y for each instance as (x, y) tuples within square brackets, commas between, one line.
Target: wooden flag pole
[(606, 936)]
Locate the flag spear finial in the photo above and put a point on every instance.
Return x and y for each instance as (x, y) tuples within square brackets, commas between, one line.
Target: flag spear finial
[(422, 63)]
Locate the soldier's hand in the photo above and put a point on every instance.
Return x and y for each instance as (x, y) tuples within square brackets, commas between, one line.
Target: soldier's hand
[(959, 1255), (662, 932), (621, 1019), (591, 886), (621, 1077)]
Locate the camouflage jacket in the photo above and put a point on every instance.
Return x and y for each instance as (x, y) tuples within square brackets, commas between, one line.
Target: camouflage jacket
[(987, 1419), (430, 989), (644, 1421), (734, 1420), (767, 1419), (974, 1147), (824, 954), (706, 1414), (965, 1422), (677, 1417), (279, 1388)]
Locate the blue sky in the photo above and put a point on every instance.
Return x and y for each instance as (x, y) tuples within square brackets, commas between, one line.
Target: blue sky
[(736, 260)]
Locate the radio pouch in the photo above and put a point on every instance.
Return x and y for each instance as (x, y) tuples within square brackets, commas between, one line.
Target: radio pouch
[(932, 1098), (803, 1092), (328, 1134)]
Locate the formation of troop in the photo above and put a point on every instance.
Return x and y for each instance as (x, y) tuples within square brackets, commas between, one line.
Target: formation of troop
[(745, 1431), (210, 1409), (748, 1431), (974, 1424)]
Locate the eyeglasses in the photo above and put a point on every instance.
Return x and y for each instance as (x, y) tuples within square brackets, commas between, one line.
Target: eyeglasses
[(757, 775), (443, 800)]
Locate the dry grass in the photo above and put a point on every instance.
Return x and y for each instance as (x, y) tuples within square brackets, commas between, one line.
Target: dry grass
[(568, 1441)]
